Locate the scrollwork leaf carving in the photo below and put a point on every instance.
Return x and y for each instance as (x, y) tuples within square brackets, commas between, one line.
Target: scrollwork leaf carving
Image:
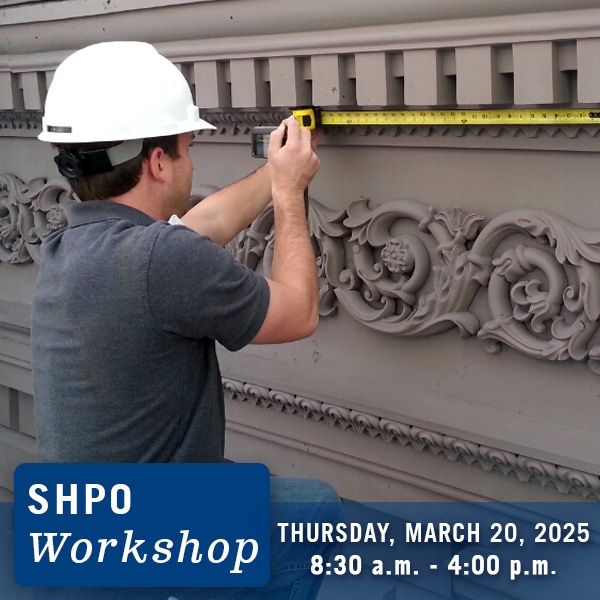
[(404, 268), (28, 214)]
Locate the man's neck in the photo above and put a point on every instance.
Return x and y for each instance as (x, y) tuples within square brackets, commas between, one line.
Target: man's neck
[(143, 202)]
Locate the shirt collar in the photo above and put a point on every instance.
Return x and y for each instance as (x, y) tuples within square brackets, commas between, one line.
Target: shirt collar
[(91, 211)]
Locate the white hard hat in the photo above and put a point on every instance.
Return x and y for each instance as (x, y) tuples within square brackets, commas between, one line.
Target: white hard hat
[(116, 91)]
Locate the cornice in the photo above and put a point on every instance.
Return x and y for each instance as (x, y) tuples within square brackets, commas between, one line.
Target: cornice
[(428, 33), (525, 469), (25, 11), (374, 59)]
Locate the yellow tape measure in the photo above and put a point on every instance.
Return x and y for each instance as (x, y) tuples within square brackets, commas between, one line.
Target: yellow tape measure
[(312, 118)]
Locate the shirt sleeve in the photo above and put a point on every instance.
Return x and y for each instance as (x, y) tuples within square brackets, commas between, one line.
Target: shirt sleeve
[(196, 289)]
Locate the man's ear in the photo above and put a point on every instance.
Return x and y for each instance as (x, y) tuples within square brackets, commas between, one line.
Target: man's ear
[(157, 164)]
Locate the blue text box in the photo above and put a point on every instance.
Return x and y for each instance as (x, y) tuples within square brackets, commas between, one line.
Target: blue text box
[(151, 525)]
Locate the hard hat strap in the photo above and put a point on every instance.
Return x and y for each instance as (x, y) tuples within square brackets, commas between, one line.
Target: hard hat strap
[(75, 164), (124, 151)]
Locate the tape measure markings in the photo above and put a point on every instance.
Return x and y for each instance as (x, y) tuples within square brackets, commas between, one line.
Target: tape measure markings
[(312, 118)]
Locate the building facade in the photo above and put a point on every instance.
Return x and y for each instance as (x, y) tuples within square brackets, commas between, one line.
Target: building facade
[(458, 354)]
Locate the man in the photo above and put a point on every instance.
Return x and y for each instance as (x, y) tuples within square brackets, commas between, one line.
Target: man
[(133, 294)]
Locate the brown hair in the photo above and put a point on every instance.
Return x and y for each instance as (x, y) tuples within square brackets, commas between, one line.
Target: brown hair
[(123, 177)]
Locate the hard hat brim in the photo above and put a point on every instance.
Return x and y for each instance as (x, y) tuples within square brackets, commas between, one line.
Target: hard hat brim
[(72, 137)]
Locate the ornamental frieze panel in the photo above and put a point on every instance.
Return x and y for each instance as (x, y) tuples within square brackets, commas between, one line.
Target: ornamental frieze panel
[(21, 122), (409, 270), (405, 268)]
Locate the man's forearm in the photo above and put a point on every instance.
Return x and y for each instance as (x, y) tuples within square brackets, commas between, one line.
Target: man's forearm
[(225, 213), (294, 263), (293, 311)]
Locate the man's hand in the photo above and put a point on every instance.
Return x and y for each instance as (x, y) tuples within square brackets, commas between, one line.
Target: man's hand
[(224, 214), (294, 287), (293, 164)]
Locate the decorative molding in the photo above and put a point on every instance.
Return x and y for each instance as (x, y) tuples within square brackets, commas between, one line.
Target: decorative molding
[(525, 469), (28, 214), (236, 122), (28, 123), (405, 268), (343, 459), (23, 122), (487, 62)]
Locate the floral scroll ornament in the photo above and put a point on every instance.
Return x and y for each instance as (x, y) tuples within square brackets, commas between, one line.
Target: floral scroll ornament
[(405, 268), (28, 214), (544, 299), (254, 248), (413, 282)]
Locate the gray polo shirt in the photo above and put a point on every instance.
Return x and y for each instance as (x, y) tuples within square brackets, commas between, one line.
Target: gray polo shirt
[(125, 317)]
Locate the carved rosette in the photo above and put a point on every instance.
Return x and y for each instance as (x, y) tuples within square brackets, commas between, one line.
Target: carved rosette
[(28, 214), (404, 271)]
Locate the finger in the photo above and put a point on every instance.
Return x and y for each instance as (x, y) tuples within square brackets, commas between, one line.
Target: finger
[(276, 137), (293, 129), (306, 138), (317, 136)]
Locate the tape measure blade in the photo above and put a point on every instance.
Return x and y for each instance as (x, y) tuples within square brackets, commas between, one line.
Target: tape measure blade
[(516, 117)]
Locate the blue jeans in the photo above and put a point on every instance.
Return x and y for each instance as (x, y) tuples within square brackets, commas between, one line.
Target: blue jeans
[(292, 501)]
